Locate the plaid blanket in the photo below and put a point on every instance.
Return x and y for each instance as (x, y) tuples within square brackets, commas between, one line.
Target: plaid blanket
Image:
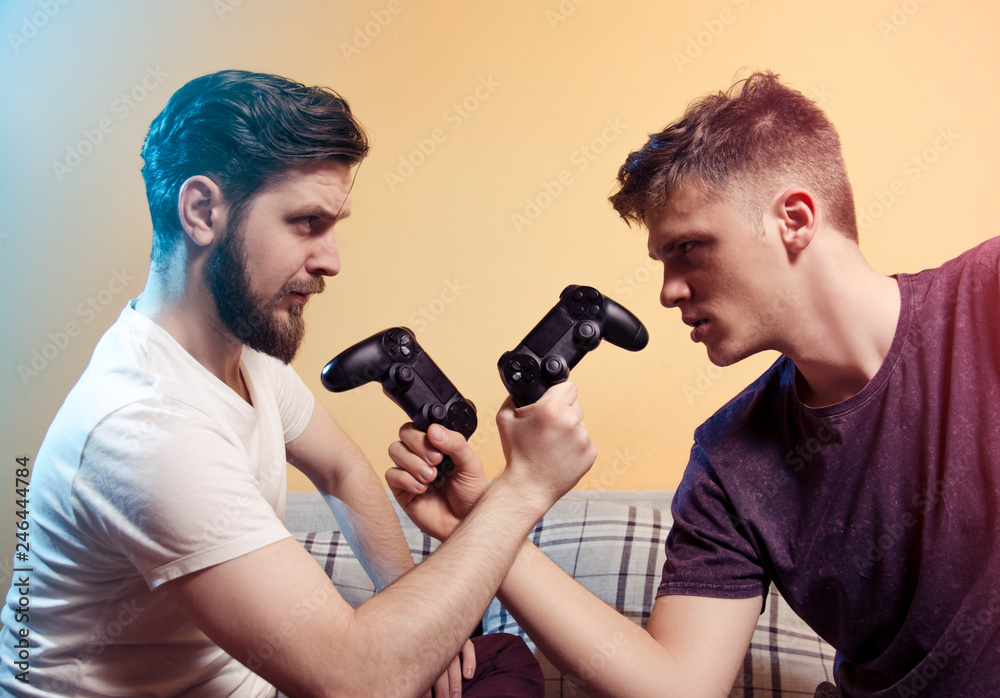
[(613, 545)]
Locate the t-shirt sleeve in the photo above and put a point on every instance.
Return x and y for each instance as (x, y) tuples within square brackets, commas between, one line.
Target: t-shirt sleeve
[(172, 491), (709, 552), (295, 400)]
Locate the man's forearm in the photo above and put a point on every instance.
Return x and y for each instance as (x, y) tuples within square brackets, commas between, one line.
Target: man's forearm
[(587, 639), (437, 605), (369, 523)]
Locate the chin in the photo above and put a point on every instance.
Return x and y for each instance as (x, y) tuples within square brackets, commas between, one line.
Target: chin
[(723, 356)]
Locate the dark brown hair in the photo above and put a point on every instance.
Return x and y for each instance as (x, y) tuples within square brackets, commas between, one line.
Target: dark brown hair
[(745, 143), (244, 130)]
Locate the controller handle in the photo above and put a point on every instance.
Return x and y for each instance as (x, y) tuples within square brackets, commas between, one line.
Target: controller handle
[(409, 377), (571, 329), (622, 328)]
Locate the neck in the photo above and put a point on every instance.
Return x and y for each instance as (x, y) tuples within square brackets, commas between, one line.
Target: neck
[(187, 312), (842, 332)]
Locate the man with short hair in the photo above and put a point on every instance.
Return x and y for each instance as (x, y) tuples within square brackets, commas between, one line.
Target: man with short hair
[(860, 473), (160, 565)]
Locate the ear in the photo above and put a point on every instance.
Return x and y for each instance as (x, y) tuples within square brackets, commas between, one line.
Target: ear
[(796, 211), (200, 208)]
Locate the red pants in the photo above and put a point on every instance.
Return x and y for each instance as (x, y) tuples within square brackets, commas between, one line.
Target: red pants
[(505, 668)]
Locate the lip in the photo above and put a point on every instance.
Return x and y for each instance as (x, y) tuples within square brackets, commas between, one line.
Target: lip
[(299, 298), (699, 328)]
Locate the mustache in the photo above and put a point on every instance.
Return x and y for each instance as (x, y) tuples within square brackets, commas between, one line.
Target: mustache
[(315, 285)]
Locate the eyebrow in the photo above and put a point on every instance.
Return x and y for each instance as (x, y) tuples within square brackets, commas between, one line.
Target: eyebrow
[(319, 211), (673, 240)]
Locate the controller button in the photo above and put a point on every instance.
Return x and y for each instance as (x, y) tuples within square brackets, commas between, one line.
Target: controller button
[(586, 330), (515, 377), (577, 309), (594, 309), (593, 294), (393, 350), (578, 295), (405, 351), (469, 412), (438, 412), (515, 365), (554, 368), (404, 338)]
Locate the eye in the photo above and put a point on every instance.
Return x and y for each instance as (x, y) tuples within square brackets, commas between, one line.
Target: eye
[(306, 223), (686, 247)]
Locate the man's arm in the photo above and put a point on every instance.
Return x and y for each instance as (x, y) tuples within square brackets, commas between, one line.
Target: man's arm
[(334, 463), (692, 646), (276, 611)]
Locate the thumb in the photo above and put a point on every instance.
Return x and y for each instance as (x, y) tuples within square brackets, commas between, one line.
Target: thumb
[(451, 443)]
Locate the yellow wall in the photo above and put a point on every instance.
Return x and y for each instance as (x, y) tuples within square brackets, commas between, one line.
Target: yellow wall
[(550, 89)]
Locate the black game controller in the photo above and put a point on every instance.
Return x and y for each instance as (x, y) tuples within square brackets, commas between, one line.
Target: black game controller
[(572, 328), (410, 377)]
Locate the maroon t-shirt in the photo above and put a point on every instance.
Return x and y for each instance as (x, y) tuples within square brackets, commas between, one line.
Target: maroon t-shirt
[(877, 518)]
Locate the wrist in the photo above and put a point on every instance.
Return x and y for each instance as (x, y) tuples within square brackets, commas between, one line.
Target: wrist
[(535, 497)]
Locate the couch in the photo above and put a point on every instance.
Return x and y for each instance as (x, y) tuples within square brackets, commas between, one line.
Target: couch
[(611, 541)]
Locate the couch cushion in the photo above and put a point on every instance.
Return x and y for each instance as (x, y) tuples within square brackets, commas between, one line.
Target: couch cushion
[(616, 550), (612, 543)]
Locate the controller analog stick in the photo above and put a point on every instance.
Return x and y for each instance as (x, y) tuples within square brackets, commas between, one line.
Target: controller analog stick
[(555, 369), (435, 412), (402, 377), (587, 334)]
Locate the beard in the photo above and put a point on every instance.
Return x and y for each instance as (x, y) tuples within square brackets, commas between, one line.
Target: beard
[(250, 319)]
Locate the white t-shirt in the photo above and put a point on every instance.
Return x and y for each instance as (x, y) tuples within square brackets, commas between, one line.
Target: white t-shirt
[(152, 469)]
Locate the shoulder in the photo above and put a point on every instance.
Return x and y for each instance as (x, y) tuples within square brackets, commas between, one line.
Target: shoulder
[(750, 411), (981, 261)]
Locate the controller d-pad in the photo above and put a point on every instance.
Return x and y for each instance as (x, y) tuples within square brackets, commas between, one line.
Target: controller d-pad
[(398, 344), (522, 370), (462, 418)]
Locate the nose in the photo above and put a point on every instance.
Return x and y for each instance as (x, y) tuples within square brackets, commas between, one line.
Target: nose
[(325, 258), (675, 289)]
